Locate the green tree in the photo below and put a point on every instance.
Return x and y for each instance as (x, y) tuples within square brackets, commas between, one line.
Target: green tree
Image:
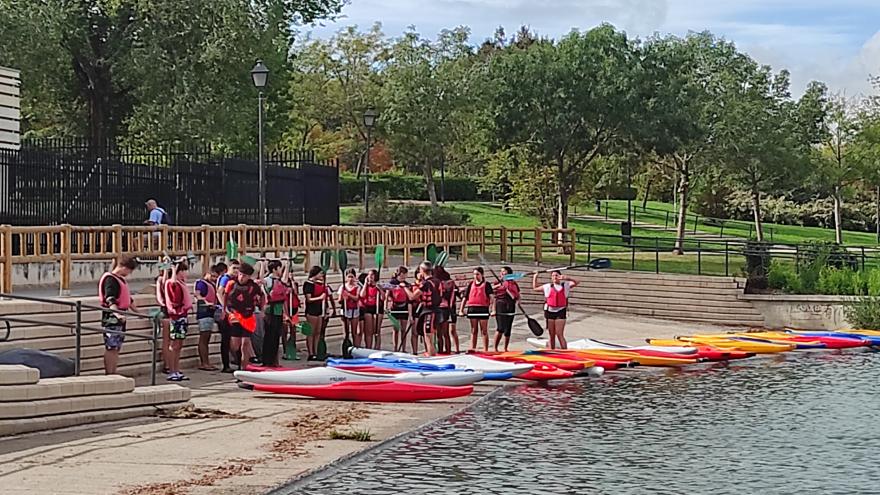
[(566, 101)]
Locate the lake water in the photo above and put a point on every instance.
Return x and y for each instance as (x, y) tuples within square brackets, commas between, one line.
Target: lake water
[(795, 423)]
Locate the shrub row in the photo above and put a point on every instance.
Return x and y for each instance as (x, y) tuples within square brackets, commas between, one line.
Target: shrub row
[(384, 212), (412, 187)]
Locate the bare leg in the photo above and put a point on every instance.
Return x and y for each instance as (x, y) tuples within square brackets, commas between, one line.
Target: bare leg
[(473, 334), (551, 329), (497, 340), (454, 335), (484, 329), (235, 346), (166, 343), (312, 340), (176, 346), (247, 350), (560, 334), (204, 358), (369, 326), (111, 359)]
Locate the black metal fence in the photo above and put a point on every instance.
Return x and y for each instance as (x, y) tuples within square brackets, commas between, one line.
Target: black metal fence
[(49, 182)]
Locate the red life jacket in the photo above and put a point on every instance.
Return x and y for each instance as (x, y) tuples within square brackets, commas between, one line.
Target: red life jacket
[(177, 309), (211, 296), (123, 302), (477, 296), (557, 298), (447, 290), (351, 303), (508, 291), (242, 299), (370, 300), (279, 292), (430, 294), (399, 296)]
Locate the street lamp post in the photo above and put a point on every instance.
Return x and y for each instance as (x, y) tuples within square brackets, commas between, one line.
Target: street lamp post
[(260, 75), (370, 117)]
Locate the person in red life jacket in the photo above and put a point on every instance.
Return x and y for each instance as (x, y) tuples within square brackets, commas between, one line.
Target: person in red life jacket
[(243, 297), (164, 322), (370, 301), (401, 307), (349, 300), (222, 323), (556, 295), (427, 294), (480, 304), (316, 294), (205, 290), (114, 294), (179, 303), (448, 292), (291, 318), (277, 297), (506, 297)]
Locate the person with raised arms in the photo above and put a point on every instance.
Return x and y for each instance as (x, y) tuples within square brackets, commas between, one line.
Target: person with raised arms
[(556, 295), (349, 300), (316, 294), (243, 297), (426, 293), (506, 297), (370, 301), (401, 307)]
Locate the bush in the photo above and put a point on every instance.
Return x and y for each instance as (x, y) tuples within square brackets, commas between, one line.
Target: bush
[(757, 265), (837, 282), (387, 213), (406, 187), (781, 276), (863, 312)]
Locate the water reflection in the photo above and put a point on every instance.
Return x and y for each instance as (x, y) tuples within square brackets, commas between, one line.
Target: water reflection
[(803, 423)]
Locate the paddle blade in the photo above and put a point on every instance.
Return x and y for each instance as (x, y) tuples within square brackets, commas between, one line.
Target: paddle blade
[(380, 256), (304, 328), (431, 252), (322, 350), (394, 321), (231, 250), (513, 276), (326, 257), (250, 260), (299, 258), (600, 264), (442, 258), (342, 258), (535, 327)]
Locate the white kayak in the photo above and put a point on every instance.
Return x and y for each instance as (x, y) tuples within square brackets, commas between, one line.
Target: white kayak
[(586, 344), (460, 361), (326, 376)]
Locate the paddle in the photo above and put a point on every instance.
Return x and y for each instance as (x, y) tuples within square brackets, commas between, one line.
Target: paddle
[(342, 259), (231, 250), (379, 256), (290, 345), (250, 260), (431, 252), (533, 324), (596, 264), (442, 258), (409, 325), (326, 257)]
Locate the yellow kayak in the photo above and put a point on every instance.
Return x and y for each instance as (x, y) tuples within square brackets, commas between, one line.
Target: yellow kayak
[(872, 333), (641, 358), (729, 343)]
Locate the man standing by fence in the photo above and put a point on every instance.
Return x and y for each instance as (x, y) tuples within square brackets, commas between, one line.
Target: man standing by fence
[(157, 216)]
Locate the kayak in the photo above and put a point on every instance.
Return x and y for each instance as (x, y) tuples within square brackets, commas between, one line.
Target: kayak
[(559, 362), (325, 376), (829, 342), (397, 365), (728, 343), (387, 391), (587, 344), (465, 361), (543, 372), (873, 340), (259, 367), (603, 354)]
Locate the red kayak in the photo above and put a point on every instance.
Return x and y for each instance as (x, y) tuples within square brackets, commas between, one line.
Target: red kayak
[(259, 367), (710, 353), (833, 342), (542, 372), (370, 391)]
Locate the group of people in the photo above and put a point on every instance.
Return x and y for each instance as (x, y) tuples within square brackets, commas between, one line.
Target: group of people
[(231, 296)]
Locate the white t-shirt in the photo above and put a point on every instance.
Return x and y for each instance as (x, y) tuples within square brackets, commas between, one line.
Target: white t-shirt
[(548, 288)]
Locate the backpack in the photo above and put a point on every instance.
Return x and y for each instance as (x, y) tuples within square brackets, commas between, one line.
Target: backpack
[(166, 219)]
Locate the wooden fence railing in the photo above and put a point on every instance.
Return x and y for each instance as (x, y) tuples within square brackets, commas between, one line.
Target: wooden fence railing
[(68, 244)]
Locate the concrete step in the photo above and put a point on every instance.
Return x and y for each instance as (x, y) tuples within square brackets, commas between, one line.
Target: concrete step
[(738, 307), (142, 401), (625, 306), (16, 374), (636, 278), (586, 296), (71, 386), (707, 317)]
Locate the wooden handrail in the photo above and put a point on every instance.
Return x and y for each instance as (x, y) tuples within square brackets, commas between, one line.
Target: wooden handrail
[(64, 244)]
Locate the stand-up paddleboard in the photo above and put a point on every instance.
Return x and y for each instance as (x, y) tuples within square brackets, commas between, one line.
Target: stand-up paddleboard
[(464, 361), (386, 391), (325, 376)]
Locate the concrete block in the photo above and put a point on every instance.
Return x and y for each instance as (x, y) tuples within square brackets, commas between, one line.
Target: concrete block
[(16, 374), (14, 410)]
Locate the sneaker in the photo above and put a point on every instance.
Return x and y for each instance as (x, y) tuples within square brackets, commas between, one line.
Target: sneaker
[(173, 377), (182, 377)]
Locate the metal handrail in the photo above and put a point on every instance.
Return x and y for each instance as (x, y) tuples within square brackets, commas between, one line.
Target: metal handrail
[(77, 327)]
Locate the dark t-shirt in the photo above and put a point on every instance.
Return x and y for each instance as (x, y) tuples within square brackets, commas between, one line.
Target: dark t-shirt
[(309, 290), (111, 290), (243, 298), (203, 309)]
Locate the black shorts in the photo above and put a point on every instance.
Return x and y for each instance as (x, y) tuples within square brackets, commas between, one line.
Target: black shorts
[(555, 315), (444, 316), (368, 310), (478, 312), (236, 330), (314, 309), (427, 322), (505, 324)]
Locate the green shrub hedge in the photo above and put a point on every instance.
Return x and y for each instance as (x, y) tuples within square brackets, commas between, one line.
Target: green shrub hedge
[(412, 187), (384, 212)]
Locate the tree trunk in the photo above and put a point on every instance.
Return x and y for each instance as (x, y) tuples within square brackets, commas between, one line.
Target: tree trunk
[(429, 185), (838, 230), (647, 192), (877, 215), (683, 190), (756, 209)]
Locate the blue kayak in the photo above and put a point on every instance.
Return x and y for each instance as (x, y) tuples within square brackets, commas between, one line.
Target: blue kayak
[(873, 339), (800, 345), (403, 365)]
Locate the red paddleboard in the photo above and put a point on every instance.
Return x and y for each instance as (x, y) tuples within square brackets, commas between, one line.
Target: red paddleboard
[(370, 391), (542, 372), (257, 367)]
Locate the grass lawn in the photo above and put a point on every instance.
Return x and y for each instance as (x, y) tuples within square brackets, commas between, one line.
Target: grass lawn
[(788, 234)]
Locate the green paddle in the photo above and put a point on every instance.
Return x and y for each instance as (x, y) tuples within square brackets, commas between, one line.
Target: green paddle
[(326, 257), (393, 320), (380, 256), (250, 260), (231, 250), (442, 258), (431, 252), (342, 259), (321, 351), (304, 328)]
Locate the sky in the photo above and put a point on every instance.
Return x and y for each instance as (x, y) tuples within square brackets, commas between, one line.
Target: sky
[(837, 42)]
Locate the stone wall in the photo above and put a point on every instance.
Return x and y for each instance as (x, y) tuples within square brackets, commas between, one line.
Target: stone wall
[(805, 312)]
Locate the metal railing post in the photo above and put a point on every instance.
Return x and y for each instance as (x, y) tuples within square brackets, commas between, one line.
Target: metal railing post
[(606, 210), (726, 258), (633, 262), (589, 246), (153, 349), (696, 221), (699, 258), (666, 225), (78, 330), (656, 255)]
